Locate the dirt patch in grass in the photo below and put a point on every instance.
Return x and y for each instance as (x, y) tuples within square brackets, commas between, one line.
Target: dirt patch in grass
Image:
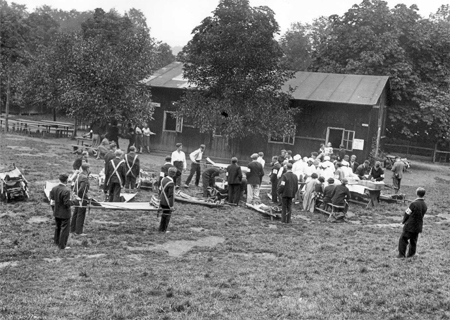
[(180, 247)]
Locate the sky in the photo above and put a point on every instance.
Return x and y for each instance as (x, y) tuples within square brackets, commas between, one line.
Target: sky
[(172, 21)]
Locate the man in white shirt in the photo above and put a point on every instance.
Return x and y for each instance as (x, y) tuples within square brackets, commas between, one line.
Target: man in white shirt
[(179, 162), (261, 159), (196, 158)]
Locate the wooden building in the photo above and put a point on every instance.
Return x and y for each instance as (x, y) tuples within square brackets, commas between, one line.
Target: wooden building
[(337, 108)]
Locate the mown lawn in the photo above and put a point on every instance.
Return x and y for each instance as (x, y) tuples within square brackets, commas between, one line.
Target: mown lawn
[(254, 269)]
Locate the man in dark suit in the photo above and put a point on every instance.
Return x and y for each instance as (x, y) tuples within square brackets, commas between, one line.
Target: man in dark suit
[(254, 178), (340, 197), (209, 178), (327, 193), (234, 178), (60, 202), (287, 189), (81, 188), (166, 197), (413, 224), (115, 175), (133, 167)]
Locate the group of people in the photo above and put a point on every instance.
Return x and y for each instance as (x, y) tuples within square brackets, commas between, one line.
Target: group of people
[(287, 173)]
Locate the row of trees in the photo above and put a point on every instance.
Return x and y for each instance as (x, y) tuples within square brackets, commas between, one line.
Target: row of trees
[(89, 65)]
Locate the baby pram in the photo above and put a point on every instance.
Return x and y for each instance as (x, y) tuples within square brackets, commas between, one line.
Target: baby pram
[(13, 185)]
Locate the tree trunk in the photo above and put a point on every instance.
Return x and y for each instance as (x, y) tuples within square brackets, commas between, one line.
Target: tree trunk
[(8, 97)]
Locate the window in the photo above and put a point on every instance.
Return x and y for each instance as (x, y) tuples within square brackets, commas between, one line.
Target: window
[(347, 139), (172, 123), (285, 139), (338, 136)]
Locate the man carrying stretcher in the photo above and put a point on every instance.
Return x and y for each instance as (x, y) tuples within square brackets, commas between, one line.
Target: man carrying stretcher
[(115, 175)]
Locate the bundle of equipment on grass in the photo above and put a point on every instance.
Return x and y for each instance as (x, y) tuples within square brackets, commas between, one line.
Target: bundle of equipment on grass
[(13, 185)]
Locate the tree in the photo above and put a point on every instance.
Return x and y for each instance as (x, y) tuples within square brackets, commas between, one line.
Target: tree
[(372, 39), (14, 52), (96, 75), (233, 64), (68, 21), (163, 55), (296, 47)]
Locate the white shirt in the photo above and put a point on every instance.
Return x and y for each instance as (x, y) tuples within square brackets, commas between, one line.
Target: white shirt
[(262, 161), (179, 156), (196, 155), (297, 168), (147, 132)]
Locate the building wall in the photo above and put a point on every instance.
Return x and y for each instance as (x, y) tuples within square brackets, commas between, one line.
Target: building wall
[(311, 129)]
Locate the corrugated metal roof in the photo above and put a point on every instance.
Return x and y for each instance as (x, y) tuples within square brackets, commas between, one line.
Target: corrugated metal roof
[(309, 86), (337, 88)]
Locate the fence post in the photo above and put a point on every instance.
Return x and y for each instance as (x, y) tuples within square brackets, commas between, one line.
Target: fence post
[(434, 152)]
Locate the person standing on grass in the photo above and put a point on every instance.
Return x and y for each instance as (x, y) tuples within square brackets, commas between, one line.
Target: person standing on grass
[(254, 178), (115, 175), (275, 166), (60, 202), (413, 224), (139, 139), (196, 157), (131, 135), (81, 188), (397, 173), (234, 179), (179, 162), (133, 168), (113, 132), (166, 195), (146, 139), (287, 189)]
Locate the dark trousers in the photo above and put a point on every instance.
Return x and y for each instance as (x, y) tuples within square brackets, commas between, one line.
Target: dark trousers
[(62, 231), (77, 222), (286, 209), (274, 192), (179, 166), (234, 193), (195, 168), (165, 219), (403, 243), (130, 143), (114, 191), (130, 182), (396, 182), (207, 182)]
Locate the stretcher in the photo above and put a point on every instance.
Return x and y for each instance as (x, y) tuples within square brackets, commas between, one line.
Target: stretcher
[(183, 197), (272, 212), (224, 165), (49, 185)]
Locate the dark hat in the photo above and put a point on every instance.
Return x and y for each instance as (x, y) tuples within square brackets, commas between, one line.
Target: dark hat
[(178, 144), (330, 180), (234, 160)]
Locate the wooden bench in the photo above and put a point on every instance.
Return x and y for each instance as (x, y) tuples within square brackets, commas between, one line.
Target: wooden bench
[(336, 209)]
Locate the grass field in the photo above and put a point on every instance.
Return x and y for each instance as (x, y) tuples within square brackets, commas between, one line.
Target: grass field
[(224, 263)]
